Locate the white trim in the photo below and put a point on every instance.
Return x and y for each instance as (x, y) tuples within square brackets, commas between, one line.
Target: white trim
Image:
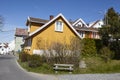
[(82, 33), (71, 26), (79, 21), (28, 18), (38, 52), (59, 15), (56, 29), (28, 47), (29, 27)]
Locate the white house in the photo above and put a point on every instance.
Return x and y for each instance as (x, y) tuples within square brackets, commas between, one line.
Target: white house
[(20, 34), (80, 27), (4, 49), (96, 24), (12, 45), (88, 31)]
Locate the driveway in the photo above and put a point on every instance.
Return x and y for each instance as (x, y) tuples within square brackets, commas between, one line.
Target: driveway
[(10, 70)]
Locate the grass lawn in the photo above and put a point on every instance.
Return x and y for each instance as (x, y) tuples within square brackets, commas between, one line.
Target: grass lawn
[(46, 69), (94, 65), (97, 65)]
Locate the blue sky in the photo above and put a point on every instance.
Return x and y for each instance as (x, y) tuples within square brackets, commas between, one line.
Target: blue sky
[(15, 12)]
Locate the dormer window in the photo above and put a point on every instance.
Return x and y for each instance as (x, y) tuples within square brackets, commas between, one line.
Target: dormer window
[(99, 24), (59, 26)]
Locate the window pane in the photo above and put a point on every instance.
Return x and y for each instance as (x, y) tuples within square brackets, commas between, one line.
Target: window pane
[(58, 26)]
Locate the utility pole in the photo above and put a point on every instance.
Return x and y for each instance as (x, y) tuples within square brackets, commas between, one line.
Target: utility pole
[(106, 18), (104, 13)]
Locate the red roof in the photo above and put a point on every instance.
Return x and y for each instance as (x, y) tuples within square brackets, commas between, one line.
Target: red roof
[(36, 20), (4, 45), (21, 32)]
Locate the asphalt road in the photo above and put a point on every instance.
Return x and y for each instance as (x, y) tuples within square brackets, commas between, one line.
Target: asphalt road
[(9, 70)]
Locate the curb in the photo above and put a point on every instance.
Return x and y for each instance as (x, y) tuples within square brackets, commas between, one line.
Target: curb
[(20, 66)]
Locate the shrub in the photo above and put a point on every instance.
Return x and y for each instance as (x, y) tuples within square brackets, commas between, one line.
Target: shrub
[(34, 61), (64, 53), (106, 54), (58, 52), (98, 44), (23, 56), (89, 47)]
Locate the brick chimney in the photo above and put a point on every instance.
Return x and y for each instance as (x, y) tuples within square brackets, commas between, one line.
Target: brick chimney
[(51, 17)]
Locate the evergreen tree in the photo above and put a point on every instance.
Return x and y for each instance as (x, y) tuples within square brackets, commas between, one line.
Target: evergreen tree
[(110, 32), (114, 23)]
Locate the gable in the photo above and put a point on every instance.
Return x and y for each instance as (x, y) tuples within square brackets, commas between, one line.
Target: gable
[(50, 29), (52, 21), (79, 23), (96, 24), (49, 35)]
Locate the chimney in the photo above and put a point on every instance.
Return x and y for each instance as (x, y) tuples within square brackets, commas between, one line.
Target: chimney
[(51, 17)]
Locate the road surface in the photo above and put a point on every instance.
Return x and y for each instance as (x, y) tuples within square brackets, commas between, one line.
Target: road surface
[(10, 70)]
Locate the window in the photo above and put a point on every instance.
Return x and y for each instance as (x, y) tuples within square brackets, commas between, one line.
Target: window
[(82, 33), (58, 26), (99, 24), (94, 34)]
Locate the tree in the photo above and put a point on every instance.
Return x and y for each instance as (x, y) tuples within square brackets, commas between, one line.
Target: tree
[(110, 32), (114, 23), (104, 32)]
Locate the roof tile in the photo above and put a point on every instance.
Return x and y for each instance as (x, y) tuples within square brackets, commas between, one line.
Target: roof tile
[(36, 20), (21, 32)]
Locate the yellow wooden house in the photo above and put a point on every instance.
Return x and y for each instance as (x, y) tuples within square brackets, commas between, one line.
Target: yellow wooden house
[(46, 32)]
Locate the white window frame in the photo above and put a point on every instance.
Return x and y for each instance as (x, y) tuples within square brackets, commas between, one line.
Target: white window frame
[(59, 28), (94, 34), (81, 34)]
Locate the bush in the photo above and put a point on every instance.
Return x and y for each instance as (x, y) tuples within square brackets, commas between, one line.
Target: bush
[(115, 46), (35, 61), (89, 47), (23, 56), (106, 54), (98, 44), (64, 53)]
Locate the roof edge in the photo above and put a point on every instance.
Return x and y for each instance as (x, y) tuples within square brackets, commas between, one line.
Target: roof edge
[(60, 14), (78, 21)]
